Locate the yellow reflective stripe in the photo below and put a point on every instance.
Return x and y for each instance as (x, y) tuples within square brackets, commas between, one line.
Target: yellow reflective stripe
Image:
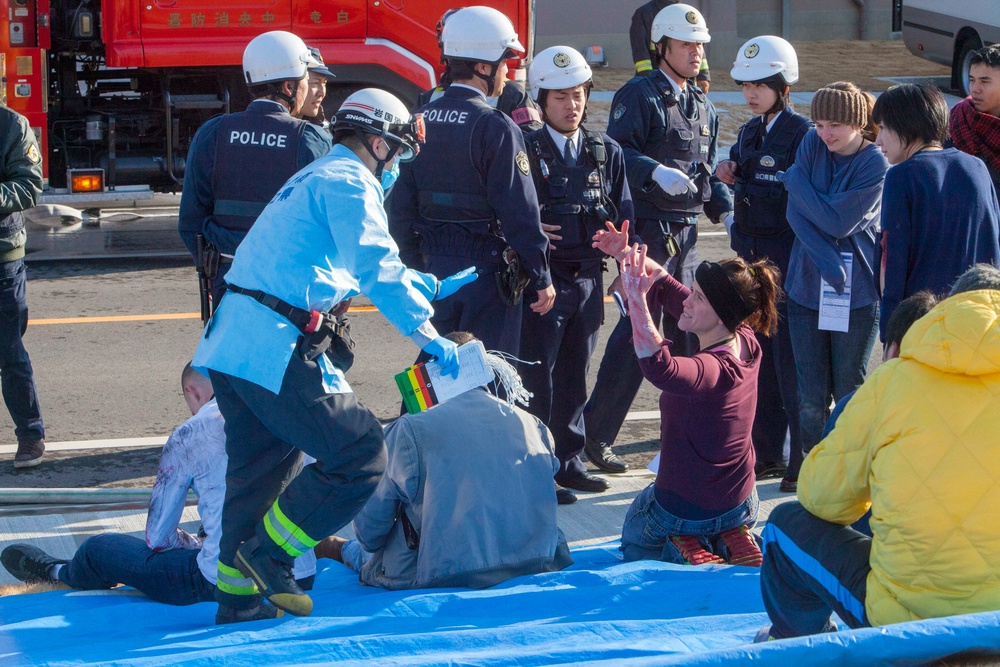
[(230, 580), (285, 533), (643, 66), (704, 65)]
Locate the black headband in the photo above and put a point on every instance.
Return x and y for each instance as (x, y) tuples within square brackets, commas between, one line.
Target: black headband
[(722, 295)]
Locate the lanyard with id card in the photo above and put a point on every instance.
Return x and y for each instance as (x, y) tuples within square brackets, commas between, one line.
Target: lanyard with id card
[(835, 309)]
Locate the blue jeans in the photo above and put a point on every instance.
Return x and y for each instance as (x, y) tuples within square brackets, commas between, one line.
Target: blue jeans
[(170, 576), (830, 364), (16, 377), (648, 527)]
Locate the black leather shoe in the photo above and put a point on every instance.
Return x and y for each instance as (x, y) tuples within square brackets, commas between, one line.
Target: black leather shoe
[(768, 470), (273, 577), (565, 496), (790, 484), (600, 454), (27, 563), (584, 482), (261, 612)]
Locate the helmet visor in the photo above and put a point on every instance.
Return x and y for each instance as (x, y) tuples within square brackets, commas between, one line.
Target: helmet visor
[(409, 136)]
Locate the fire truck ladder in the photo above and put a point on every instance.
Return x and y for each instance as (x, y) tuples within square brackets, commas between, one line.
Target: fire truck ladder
[(186, 102)]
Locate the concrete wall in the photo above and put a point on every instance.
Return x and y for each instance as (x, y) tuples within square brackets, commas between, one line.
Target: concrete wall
[(583, 23)]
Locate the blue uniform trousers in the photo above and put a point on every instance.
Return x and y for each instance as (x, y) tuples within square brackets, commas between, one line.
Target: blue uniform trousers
[(477, 307), (777, 385), (812, 568), (16, 376), (619, 377), (264, 434), (563, 340)]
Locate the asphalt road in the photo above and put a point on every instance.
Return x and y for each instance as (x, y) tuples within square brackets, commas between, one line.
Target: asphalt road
[(106, 379)]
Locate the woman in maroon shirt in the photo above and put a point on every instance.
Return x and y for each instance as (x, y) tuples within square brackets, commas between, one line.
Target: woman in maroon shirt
[(703, 503)]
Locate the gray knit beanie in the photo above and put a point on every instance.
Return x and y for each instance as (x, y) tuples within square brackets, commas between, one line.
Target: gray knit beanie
[(840, 106)]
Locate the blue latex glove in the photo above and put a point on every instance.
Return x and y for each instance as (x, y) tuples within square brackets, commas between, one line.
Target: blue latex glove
[(446, 353), (451, 284)]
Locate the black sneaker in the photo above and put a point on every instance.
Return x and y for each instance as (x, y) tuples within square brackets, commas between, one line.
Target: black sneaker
[(261, 612), (789, 484), (600, 454), (27, 563), (29, 453), (273, 577)]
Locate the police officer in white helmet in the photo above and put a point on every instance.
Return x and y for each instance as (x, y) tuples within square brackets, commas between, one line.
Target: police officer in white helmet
[(468, 198), (513, 100), (669, 131), (277, 356), (582, 185), (237, 162), (765, 68)]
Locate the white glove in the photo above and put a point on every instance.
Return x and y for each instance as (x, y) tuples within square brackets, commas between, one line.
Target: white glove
[(673, 181), (728, 222)]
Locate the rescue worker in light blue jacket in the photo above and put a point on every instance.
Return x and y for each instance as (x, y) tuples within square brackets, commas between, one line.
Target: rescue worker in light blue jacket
[(277, 361)]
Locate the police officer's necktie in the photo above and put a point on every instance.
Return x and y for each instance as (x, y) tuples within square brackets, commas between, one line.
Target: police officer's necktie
[(568, 158), (761, 133)]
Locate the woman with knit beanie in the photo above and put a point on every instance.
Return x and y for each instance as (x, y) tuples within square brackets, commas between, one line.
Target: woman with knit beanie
[(703, 503), (834, 206)]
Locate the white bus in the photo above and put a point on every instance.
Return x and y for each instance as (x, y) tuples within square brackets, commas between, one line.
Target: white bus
[(949, 32)]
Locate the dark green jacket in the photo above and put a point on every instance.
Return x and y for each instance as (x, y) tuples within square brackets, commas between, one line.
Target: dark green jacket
[(20, 181)]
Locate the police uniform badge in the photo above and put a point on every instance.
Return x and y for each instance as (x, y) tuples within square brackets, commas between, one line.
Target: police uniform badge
[(692, 18), (767, 161), (705, 132), (32, 154), (561, 60), (751, 51), (521, 160), (618, 112), (594, 178)]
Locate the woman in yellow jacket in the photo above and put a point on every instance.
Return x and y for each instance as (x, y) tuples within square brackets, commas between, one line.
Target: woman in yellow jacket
[(918, 445)]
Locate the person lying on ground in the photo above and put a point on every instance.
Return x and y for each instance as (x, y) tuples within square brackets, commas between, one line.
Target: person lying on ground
[(704, 502), (917, 446), (467, 499), (171, 565)]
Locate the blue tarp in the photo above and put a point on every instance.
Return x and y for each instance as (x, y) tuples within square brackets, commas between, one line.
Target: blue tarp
[(600, 610)]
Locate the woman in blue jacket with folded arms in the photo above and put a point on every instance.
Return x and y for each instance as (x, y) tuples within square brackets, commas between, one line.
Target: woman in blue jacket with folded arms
[(834, 203)]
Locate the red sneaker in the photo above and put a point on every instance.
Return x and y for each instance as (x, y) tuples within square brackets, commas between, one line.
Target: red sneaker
[(743, 549), (693, 552)]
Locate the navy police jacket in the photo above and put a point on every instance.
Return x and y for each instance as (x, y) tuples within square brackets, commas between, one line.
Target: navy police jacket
[(468, 193), (582, 197), (653, 130), (236, 164)]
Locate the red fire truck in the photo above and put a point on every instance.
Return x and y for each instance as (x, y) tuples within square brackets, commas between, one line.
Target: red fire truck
[(115, 89)]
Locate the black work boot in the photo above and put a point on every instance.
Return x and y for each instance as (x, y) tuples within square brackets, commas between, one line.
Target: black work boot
[(273, 577), (261, 612), (27, 563)]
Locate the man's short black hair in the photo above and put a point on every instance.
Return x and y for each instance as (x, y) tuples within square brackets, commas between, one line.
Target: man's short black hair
[(916, 113), (460, 337), (462, 70), (988, 55), (909, 310)]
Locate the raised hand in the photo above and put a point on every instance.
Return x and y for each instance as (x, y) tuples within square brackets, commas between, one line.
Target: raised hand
[(612, 241)]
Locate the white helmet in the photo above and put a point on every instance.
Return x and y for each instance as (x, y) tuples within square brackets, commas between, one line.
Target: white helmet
[(482, 34), (764, 57), (376, 111), (680, 22), (276, 56), (556, 68)]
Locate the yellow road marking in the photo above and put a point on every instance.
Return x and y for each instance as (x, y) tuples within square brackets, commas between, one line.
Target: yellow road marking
[(160, 316)]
